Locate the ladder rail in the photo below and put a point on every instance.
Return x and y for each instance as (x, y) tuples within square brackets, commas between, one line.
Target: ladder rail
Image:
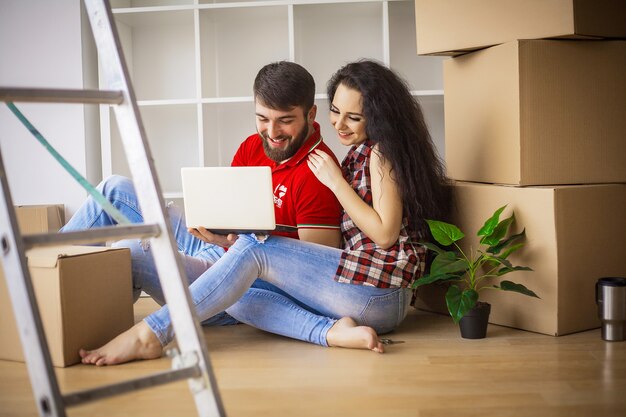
[(169, 265), (192, 363), (34, 344)]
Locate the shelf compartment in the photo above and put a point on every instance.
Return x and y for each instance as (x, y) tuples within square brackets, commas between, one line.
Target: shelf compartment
[(327, 36), (160, 53), (173, 139), (225, 127), (432, 107), (236, 43), (421, 72)]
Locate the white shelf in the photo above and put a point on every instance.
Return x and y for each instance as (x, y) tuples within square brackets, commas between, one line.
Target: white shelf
[(193, 63), (166, 102), (249, 99), (146, 6), (173, 196)]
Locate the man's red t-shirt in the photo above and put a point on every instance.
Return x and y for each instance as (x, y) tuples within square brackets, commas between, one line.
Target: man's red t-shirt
[(300, 200)]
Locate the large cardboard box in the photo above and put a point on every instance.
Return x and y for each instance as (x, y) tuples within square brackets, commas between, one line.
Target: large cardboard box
[(84, 295), (451, 27), (574, 235), (40, 218), (537, 113)]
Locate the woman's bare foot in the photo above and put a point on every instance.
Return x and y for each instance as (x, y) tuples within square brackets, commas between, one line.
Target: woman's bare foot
[(346, 333), (138, 342)]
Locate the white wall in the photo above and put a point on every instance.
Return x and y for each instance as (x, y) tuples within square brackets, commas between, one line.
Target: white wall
[(41, 46)]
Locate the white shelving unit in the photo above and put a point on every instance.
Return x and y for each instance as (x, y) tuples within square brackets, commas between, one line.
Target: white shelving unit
[(193, 62)]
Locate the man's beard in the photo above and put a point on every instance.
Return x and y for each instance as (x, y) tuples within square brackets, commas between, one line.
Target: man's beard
[(280, 155)]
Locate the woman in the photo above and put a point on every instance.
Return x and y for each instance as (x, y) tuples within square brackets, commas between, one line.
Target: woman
[(390, 181)]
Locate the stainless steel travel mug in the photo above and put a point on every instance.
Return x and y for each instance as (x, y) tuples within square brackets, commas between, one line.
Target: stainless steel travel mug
[(611, 301)]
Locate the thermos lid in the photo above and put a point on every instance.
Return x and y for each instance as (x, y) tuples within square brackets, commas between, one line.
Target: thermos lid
[(612, 282)]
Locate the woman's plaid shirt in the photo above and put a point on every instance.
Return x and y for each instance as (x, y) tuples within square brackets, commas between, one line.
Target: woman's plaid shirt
[(363, 262)]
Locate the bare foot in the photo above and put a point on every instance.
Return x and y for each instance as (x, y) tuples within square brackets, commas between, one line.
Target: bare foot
[(138, 342), (346, 333)]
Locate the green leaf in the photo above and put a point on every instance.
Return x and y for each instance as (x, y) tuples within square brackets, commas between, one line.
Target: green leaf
[(491, 223), (495, 249), (440, 260), (499, 232), (448, 262), (501, 261), (430, 278), (508, 269), (519, 288), (510, 250), (460, 302), (432, 247), (444, 233)]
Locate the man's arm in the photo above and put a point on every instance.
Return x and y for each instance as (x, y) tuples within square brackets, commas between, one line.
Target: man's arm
[(328, 237)]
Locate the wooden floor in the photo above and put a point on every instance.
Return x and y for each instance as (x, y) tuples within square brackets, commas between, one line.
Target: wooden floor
[(435, 373)]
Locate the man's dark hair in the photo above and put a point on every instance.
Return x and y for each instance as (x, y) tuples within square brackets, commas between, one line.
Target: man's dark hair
[(283, 85)]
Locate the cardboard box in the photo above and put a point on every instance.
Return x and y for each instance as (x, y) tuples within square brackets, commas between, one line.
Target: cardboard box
[(537, 113), (40, 218), (84, 295), (574, 235), (451, 27)]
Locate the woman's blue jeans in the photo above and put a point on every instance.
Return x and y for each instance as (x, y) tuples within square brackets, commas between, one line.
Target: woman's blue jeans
[(303, 302), (303, 270)]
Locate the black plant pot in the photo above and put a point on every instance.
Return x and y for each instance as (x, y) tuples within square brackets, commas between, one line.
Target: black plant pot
[(474, 323)]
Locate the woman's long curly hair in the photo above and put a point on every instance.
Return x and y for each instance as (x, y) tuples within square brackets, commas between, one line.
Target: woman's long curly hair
[(394, 121)]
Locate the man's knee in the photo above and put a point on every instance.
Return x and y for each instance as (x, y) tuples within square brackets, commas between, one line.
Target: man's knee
[(114, 182)]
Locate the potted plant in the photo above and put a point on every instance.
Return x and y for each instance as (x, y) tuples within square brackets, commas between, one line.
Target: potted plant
[(471, 270)]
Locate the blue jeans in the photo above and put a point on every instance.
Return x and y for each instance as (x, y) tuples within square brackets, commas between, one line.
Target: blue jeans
[(303, 305), (198, 256), (305, 271)]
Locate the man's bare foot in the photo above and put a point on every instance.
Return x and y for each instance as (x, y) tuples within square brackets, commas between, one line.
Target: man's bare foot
[(138, 342), (346, 333)]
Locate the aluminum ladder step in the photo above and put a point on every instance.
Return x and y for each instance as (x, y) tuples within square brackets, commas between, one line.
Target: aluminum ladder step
[(105, 391), (51, 95), (99, 235)]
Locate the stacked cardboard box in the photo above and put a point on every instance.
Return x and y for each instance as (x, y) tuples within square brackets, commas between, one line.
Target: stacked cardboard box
[(453, 27), (537, 124)]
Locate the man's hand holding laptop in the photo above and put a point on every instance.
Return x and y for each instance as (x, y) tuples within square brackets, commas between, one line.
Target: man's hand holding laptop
[(203, 234)]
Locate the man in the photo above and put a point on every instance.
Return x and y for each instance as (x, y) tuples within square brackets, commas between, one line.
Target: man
[(286, 133), (284, 95)]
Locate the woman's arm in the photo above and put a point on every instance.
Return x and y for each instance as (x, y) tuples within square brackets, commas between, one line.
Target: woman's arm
[(382, 222)]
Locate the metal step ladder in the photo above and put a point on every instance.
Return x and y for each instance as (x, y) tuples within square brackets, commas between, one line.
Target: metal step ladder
[(191, 362)]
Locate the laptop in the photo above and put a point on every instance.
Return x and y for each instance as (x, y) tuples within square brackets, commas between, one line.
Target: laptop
[(227, 200)]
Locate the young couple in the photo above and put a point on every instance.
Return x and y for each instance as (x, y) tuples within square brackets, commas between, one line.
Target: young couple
[(344, 277)]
